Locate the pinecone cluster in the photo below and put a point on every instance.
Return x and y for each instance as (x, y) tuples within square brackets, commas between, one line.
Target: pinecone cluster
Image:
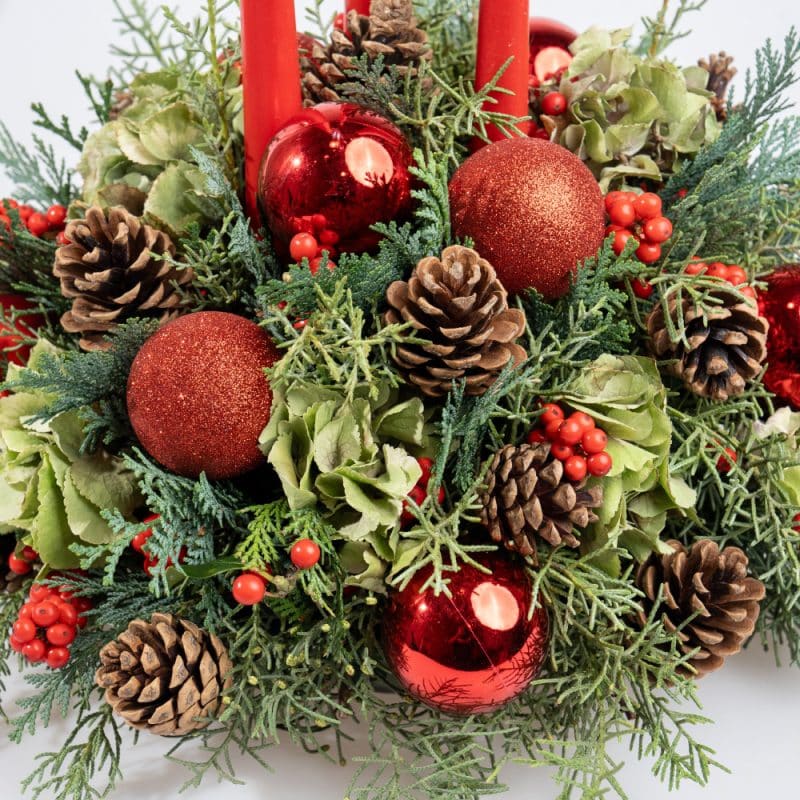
[(459, 307), (720, 74), (724, 347), (389, 31), (165, 676), (706, 596), (528, 496), (113, 269)]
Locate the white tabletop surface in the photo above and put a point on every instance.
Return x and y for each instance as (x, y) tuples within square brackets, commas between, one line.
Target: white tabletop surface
[(755, 705)]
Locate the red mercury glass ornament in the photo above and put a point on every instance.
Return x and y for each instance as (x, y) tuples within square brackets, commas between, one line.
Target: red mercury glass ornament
[(334, 171), (780, 305), (475, 650), (549, 47)]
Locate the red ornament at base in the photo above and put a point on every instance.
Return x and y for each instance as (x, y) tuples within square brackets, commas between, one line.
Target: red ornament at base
[(198, 398), (779, 303), (549, 47), (533, 209), (334, 171), (475, 650)]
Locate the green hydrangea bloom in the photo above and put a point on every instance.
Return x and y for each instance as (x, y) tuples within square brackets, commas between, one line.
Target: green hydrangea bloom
[(785, 423), (48, 489), (631, 118), (625, 396)]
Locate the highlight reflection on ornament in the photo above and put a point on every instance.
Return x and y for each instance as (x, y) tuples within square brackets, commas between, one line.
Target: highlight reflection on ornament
[(334, 171), (475, 650), (549, 47)]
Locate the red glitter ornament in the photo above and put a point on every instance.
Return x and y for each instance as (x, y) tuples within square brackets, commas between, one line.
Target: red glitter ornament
[(471, 652), (197, 395), (337, 169), (533, 209), (780, 304)]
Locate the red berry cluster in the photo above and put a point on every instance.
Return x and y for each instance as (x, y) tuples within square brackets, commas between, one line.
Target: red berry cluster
[(139, 544), (551, 104), (732, 274), (48, 624), (419, 494), (22, 564), (637, 216), (575, 440), (306, 245), (38, 224)]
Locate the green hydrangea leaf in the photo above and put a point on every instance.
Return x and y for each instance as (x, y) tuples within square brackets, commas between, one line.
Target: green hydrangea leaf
[(50, 532), (170, 132), (132, 147), (82, 516)]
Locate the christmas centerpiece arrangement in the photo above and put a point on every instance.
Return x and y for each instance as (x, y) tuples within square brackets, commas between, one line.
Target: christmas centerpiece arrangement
[(430, 377)]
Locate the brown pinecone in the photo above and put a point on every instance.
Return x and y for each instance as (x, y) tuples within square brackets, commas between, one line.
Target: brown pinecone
[(123, 100), (110, 270), (527, 495), (724, 346), (708, 586), (457, 304), (390, 31), (165, 676), (720, 73)]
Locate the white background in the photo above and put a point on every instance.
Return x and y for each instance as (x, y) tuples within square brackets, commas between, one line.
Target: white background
[(755, 705)]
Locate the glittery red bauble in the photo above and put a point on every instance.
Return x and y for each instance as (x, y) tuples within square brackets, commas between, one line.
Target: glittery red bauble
[(533, 210), (471, 652), (780, 304), (334, 171), (198, 398)]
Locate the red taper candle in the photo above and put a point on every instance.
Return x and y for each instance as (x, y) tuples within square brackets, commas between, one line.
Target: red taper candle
[(271, 81), (362, 6), (503, 27)]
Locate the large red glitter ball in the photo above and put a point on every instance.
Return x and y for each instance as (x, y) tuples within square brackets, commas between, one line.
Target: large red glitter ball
[(334, 171), (198, 398), (780, 304), (533, 209), (475, 650)]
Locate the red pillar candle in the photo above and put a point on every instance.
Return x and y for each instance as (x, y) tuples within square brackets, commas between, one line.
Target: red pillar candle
[(503, 32), (271, 81), (362, 6)]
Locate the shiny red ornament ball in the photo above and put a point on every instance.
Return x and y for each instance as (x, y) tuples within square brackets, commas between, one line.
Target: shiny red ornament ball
[(334, 171), (780, 304), (473, 651), (533, 209), (549, 47), (198, 398)]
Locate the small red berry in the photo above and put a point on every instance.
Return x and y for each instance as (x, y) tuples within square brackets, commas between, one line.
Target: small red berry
[(68, 614), (621, 239), (45, 614), (583, 419), (599, 464), (140, 540), (56, 216), (23, 630), (316, 263), (551, 430), (657, 230), (726, 461), (19, 566), (329, 237), (594, 441), (305, 554), (249, 589), (300, 324), (561, 451), (29, 554), (61, 635), (37, 224), (16, 644), (613, 229), (622, 213), (426, 465), (440, 495), (696, 268), (575, 468), (736, 275), (550, 413), (418, 495), (536, 437), (26, 612), (57, 657), (642, 289), (34, 650), (25, 212), (648, 206), (61, 239), (149, 565), (304, 245), (570, 432), (40, 592), (648, 253), (553, 104), (717, 270), (748, 291), (612, 198)]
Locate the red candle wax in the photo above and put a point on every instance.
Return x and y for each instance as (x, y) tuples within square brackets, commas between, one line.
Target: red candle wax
[(362, 6), (271, 81), (503, 32)]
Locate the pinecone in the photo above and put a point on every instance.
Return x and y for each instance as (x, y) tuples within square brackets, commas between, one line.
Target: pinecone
[(725, 344), (527, 496), (390, 31), (720, 74), (165, 676), (710, 586), (110, 270), (459, 306), (123, 100)]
